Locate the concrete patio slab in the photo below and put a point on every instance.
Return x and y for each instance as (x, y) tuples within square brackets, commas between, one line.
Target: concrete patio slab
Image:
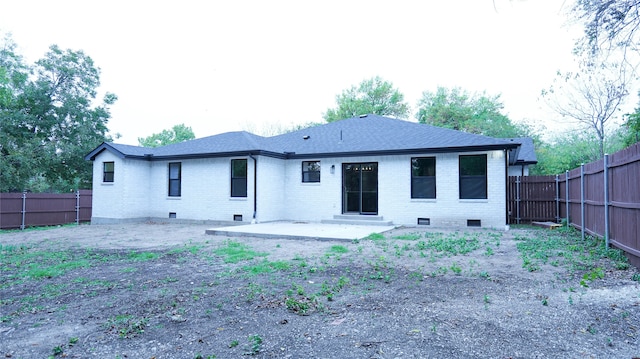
[(301, 230)]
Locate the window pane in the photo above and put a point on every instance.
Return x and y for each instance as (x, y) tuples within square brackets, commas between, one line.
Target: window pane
[(473, 187), (239, 178), (423, 166), (174, 188), (239, 168), (175, 179), (473, 177), (473, 165), (174, 170), (310, 171), (423, 177), (423, 187), (108, 170), (238, 187)]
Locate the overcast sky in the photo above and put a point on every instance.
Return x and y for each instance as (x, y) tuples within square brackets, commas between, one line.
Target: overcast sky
[(220, 66)]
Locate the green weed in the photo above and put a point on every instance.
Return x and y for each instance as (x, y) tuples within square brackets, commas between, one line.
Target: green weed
[(338, 249), (255, 345), (127, 326), (234, 252), (142, 256)]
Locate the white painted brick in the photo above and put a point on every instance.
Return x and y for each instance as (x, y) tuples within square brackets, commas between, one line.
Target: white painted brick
[(140, 190)]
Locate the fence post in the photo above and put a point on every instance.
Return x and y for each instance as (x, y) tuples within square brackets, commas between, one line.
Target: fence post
[(24, 209), (557, 199), (582, 200), (606, 200), (518, 199), (566, 185), (78, 207)]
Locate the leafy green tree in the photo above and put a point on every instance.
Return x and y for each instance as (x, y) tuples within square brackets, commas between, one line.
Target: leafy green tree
[(457, 109), (178, 133), (631, 127), (48, 120), (372, 96), (16, 159), (569, 150)]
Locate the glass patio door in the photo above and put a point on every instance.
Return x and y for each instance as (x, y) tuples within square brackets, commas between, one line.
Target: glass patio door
[(360, 188)]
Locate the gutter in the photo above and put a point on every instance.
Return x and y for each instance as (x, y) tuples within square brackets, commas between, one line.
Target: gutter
[(255, 188)]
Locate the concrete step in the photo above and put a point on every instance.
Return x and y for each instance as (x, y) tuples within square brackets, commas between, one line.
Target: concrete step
[(356, 219)]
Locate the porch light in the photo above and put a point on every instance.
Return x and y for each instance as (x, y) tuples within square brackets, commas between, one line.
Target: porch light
[(333, 169)]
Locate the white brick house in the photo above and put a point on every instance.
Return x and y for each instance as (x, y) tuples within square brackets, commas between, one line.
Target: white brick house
[(369, 166)]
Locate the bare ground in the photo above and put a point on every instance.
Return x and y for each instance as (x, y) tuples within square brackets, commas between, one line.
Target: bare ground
[(170, 291)]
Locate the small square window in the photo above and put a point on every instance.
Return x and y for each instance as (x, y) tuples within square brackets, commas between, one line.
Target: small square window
[(108, 171), (310, 171)]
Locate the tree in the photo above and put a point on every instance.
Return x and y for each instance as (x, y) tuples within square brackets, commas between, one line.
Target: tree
[(372, 96), (16, 149), (48, 120), (178, 133), (567, 151), (609, 25), (457, 109), (630, 131), (591, 97)]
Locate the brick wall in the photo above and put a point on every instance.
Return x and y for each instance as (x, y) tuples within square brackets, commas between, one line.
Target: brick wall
[(140, 191)]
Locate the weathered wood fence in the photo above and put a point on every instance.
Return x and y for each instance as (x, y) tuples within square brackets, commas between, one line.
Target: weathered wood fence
[(21, 210), (601, 198)]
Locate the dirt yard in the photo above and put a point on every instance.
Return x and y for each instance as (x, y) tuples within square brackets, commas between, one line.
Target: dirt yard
[(170, 291)]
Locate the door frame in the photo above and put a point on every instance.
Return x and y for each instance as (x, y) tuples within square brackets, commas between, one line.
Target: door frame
[(371, 196)]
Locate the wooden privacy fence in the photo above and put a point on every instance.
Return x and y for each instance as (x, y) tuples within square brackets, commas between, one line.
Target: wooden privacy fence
[(532, 198), (601, 198), (21, 210)]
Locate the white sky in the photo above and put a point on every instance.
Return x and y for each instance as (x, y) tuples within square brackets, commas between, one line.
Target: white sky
[(220, 66)]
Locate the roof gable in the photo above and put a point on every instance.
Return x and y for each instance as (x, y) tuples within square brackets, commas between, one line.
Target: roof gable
[(527, 152)]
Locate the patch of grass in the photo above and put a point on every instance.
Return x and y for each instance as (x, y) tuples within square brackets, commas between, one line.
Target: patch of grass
[(337, 249), (375, 237), (234, 252), (449, 244), (142, 256), (565, 248), (266, 266)]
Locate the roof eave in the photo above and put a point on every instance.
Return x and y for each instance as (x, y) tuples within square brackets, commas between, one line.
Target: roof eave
[(91, 156), (292, 155)]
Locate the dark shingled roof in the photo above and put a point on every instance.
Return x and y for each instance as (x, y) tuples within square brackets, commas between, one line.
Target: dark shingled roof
[(527, 152), (365, 135)]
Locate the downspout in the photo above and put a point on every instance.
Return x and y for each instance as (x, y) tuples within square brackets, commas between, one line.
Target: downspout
[(506, 188), (255, 188)]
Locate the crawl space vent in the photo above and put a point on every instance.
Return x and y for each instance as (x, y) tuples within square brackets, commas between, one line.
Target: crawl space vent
[(473, 223), (424, 221)]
